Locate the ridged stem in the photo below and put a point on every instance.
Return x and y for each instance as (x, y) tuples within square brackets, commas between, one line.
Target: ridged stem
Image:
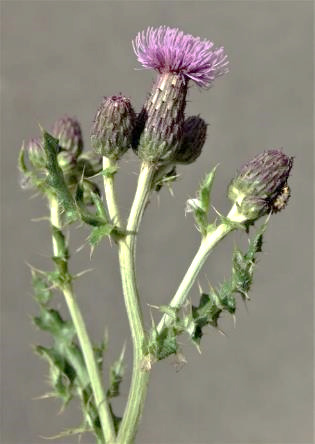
[(84, 341), (127, 246)]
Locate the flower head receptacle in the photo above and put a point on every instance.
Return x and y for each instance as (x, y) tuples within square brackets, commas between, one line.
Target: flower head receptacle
[(113, 127), (178, 58), (261, 185)]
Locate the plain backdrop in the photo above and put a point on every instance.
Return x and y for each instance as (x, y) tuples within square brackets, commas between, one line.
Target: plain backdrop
[(254, 385)]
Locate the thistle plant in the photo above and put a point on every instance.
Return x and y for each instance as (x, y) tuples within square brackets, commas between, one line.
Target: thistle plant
[(58, 166)]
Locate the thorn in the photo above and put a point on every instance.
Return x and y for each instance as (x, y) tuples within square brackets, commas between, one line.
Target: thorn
[(152, 320), (34, 196), (92, 251), (216, 211), (153, 306), (39, 219), (200, 288), (234, 319), (158, 198), (222, 332), (80, 248), (34, 268), (171, 191), (81, 273), (180, 361), (44, 396), (41, 129)]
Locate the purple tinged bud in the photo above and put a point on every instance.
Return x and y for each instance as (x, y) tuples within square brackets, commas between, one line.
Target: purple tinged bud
[(113, 127), (68, 132), (36, 153), (261, 185), (194, 137), (170, 50)]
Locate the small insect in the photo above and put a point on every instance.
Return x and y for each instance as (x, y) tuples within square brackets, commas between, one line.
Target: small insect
[(281, 200)]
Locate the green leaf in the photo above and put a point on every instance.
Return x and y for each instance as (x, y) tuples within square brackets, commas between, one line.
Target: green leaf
[(56, 178), (170, 311), (98, 233), (205, 190), (222, 298), (116, 374), (201, 205), (88, 217), (163, 344), (109, 171), (42, 293)]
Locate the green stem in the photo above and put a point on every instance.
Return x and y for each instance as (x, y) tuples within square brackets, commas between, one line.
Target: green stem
[(206, 246), (109, 189), (127, 245), (84, 341)]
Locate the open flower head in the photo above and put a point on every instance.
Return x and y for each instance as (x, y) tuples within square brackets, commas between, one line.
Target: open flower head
[(167, 49)]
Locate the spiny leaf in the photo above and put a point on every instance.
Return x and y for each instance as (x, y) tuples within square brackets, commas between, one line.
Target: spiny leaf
[(109, 171), (200, 206), (42, 293), (116, 374), (56, 178), (98, 233), (87, 217), (163, 344), (205, 190)]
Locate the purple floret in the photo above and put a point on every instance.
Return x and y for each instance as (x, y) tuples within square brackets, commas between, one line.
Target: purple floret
[(170, 50)]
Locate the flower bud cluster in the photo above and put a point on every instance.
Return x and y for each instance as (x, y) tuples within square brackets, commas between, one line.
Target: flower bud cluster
[(74, 163), (160, 134)]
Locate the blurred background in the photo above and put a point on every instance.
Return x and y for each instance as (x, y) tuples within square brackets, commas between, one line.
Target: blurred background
[(254, 385)]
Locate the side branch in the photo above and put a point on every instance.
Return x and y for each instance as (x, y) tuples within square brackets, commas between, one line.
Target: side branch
[(207, 244)]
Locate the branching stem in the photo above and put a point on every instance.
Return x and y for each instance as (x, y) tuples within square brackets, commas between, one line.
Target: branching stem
[(126, 250), (206, 246)]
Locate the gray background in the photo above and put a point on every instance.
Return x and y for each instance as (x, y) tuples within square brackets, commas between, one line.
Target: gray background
[(255, 384)]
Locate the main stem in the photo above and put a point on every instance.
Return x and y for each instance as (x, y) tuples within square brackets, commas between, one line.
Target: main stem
[(126, 250), (85, 343)]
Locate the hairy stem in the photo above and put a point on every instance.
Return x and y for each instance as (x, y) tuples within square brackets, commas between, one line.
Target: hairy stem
[(84, 341), (206, 246), (127, 245)]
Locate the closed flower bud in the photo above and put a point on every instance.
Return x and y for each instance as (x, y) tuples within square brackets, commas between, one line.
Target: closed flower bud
[(194, 137), (113, 126), (68, 132), (261, 184), (36, 153)]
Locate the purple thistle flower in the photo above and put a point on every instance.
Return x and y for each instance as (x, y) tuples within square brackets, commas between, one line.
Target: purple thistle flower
[(167, 49)]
